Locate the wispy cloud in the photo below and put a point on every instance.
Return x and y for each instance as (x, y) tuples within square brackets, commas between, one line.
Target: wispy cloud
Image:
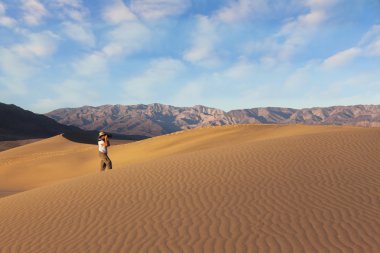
[(81, 33), (374, 48), (160, 73), (368, 46), (4, 19), (127, 38), (242, 70), (68, 10), (117, 12), (342, 58), (193, 90), (71, 3), (69, 93), (241, 10), (371, 41), (14, 72), (2, 8), (203, 45), (155, 9), (34, 11), (93, 64), (21, 62), (297, 33), (265, 51), (37, 45), (370, 36)]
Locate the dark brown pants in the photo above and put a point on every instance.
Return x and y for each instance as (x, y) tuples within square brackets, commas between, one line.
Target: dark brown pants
[(105, 161)]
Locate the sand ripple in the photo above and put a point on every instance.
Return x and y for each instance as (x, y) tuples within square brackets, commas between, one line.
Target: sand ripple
[(316, 192)]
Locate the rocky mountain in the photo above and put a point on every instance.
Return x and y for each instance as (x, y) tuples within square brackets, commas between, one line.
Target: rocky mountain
[(158, 119), (19, 124), (149, 120)]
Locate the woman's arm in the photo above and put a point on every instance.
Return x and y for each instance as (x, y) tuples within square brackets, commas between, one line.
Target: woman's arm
[(106, 142)]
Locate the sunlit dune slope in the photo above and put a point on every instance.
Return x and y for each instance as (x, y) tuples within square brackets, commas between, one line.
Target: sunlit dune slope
[(56, 158), (227, 189)]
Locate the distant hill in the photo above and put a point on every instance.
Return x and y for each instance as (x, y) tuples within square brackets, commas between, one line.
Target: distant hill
[(158, 119), (19, 124)]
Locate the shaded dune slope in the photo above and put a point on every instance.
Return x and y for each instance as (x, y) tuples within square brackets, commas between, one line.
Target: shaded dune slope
[(231, 189)]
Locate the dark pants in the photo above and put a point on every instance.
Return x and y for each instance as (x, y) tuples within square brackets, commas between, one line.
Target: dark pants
[(105, 161)]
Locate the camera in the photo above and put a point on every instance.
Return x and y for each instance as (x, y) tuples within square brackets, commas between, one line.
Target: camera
[(109, 136), (103, 133)]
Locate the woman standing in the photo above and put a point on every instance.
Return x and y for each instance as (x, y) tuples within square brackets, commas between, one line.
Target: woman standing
[(104, 143)]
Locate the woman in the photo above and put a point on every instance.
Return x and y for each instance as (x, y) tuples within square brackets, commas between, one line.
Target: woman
[(103, 143)]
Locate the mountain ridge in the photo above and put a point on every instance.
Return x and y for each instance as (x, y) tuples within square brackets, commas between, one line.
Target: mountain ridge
[(158, 119), (20, 124)]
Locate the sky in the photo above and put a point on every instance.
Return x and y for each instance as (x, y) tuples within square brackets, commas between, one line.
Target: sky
[(227, 54)]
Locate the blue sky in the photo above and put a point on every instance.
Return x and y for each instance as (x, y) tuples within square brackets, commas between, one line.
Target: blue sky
[(227, 54)]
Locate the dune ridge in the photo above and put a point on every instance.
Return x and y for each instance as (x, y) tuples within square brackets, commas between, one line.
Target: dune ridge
[(56, 158), (229, 189)]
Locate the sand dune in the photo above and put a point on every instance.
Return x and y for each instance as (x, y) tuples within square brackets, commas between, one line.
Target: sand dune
[(5, 145), (54, 159), (226, 189)]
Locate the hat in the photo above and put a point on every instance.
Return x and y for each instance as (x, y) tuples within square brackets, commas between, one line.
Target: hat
[(102, 134)]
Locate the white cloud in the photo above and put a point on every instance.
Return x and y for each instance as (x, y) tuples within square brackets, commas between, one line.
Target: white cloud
[(374, 48), (68, 10), (204, 40), (71, 3), (293, 36), (14, 72), (93, 64), (370, 36), (2, 8), (300, 78), (321, 4), (368, 46), (38, 45), (160, 73), (189, 95), (154, 9), (5, 20), (371, 41), (342, 58), (124, 39), (76, 15), (127, 38), (362, 85), (69, 93), (241, 9), (80, 33), (12, 87), (20, 63), (117, 12), (296, 33), (241, 70), (34, 11)]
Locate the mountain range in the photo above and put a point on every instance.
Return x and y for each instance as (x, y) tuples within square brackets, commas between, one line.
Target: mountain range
[(18, 124), (157, 119)]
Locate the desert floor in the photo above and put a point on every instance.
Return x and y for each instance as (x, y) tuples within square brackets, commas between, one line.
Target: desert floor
[(247, 188)]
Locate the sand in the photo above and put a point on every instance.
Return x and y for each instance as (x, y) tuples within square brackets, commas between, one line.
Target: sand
[(225, 189), (5, 145)]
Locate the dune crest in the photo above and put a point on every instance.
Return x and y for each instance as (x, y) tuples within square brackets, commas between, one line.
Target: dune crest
[(228, 189)]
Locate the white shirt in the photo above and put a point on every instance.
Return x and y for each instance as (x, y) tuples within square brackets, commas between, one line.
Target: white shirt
[(101, 147)]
